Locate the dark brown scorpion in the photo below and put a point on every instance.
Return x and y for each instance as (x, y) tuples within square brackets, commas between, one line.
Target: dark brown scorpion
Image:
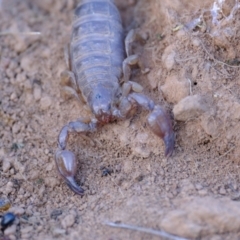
[(100, 74)]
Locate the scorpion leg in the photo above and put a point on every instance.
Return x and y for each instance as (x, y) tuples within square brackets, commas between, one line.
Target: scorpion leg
[(132, 36), (65, 160), (127, 63), (158, 120), (129, 40), (69, 86)]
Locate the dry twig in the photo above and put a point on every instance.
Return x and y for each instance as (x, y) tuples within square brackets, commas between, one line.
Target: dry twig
[(8, 32), (145, 230)]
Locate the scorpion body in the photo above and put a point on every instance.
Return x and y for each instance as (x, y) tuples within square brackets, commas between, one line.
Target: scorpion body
[(97, 64), (96, 49)]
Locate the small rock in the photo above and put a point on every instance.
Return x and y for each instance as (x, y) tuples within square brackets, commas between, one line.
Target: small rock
[(236, 111), (175, 90), (13, 65), (6, 165), (37, 92), (46, 151), (210, 125), (45, 102), (9, 73), (8, 188), (141, 151), (34, 175), (187, 186), (153, 78), (52, 182), (21, 77), (26, 230), (222, 191), (17, 210), (57, 232), (16, 128), (27, 85), (235, 196), (46, 5), (68, 221), (28, 99), (199, 217), (142, 138), (196, 42), (198, 186), (2, 152), (190, 107), (74, 235), (168, 57), (50, 166), (55, 213), (18, 166), (203, 192), (127, 166), (13, 96), (10, 230), (176, 223), (26, 63)]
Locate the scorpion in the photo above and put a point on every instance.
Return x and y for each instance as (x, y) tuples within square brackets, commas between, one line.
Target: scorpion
[(99, 73)]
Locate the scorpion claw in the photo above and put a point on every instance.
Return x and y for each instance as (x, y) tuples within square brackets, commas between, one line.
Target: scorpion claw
[(67, 166), (161, 125)]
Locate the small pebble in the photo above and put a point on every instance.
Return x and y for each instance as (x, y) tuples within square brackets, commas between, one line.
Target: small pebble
[(17, 211), (203, 192), (175, 89), (55, 213), (58, 231), (168, 57), (37, 92), (8, 188), (52, 182), (190, 107), (2, 152), (16, 128), (68, 221), (10, 230), (198, 186), (222, 191), (6, 165), (13, 96), (46, 151), (26, 229), (13, 65), (45, 102), (141, 151), (21, 77)]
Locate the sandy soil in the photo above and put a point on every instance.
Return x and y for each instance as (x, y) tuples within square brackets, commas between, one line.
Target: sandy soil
[(193, 55)]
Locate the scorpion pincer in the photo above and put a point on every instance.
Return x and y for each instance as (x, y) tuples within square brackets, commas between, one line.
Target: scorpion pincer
[(99, 73)]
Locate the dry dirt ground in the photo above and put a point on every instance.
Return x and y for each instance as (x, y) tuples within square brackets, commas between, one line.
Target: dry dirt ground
[(192, 51)]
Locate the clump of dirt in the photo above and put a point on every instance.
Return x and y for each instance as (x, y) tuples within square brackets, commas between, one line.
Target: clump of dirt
[(193, 56)]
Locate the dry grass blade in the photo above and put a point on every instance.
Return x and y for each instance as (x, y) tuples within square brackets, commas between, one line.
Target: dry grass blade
[(7, 32), (145, 230)]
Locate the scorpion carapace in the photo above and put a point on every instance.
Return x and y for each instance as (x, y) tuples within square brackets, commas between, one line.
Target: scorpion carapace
[(97, 68)]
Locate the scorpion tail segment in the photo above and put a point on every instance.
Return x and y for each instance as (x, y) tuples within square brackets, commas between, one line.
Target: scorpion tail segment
[(169, 141), (67, 166), (62, 138), (161, 125), (74, 187)]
